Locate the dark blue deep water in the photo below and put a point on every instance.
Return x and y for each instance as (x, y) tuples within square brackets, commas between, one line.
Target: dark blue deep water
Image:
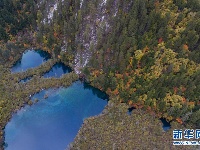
[(166, 125), (25, 80), (30, 59), (52, 123), (57, 70)]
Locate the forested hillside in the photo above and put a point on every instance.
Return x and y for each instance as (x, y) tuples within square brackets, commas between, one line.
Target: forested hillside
[(17, 18), (15, 15), (150, 58), (145, 53)]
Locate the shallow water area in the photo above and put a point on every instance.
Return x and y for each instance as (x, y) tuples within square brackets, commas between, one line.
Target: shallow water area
[(52, 123), (30, 59), (57, 70)]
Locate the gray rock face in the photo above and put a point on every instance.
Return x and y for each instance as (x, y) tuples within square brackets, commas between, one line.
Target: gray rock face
[(93, 24)]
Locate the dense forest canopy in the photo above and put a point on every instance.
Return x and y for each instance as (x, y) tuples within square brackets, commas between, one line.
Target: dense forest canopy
[(150, 57), (15, 15), (146, 53)]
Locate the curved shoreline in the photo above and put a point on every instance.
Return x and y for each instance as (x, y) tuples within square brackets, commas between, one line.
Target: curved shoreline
[(38, 83), (31, 88), (65, 81)]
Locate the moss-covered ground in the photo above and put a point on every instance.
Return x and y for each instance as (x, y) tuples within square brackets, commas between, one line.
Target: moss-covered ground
[(114, 129)]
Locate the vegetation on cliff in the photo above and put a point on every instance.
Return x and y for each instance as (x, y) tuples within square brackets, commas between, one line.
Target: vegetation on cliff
[(144, 52), (149, 58)]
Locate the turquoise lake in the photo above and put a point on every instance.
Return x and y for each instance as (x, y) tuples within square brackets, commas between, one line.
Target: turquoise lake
[(30, 59), (57, 71), (52, 123)]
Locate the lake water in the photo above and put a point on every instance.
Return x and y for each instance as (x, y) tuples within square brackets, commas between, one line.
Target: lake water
[(25, 80), (57, 70), (52, 123), (30, 59), (166, 125)]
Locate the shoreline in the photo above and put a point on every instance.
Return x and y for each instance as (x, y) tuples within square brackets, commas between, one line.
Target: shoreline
[(38, 79), (12, 78), (33, 72)]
